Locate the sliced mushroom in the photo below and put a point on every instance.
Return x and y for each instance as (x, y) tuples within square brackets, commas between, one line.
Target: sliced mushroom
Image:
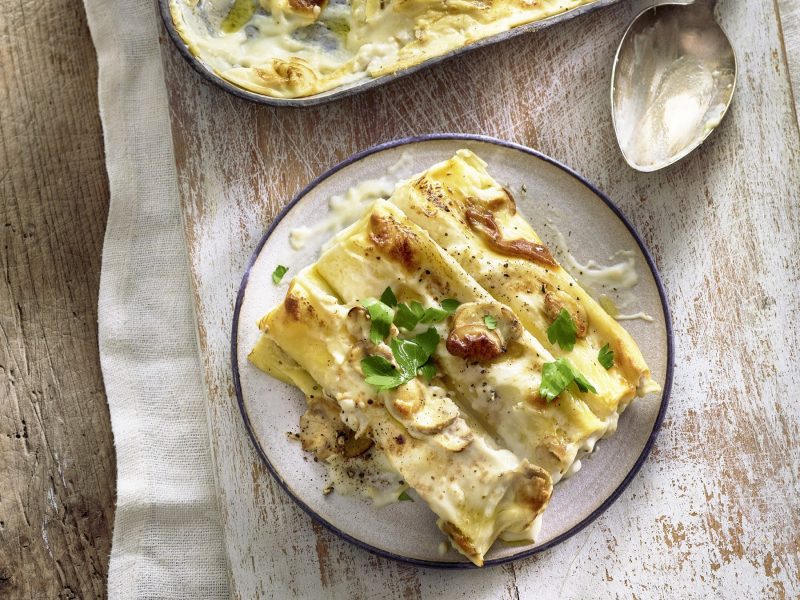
[(456, 436), (319, 428), (422, 409), (358, 325), (355, 446), (471, 337), (556, 300)]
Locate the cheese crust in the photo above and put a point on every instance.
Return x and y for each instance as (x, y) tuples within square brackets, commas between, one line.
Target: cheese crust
[(478, 442), (297, 48)]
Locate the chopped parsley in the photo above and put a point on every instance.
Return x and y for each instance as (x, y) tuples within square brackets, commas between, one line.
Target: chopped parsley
[(404, 497), (381, 317), (388, 297), (450, 305), (428, 371), (490, 322), (380, 372), (606, 357), (563, 331), (408, 315), (556, 376), (278, 274), (412, 357)]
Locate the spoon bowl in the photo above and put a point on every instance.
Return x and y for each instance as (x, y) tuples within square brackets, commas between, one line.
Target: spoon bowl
[(673, 80)]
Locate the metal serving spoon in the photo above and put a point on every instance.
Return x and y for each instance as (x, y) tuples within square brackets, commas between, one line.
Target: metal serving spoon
[(673, 80)]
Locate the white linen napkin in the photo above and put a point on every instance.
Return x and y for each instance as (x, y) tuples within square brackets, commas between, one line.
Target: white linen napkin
[(168, 541), (167, 535)]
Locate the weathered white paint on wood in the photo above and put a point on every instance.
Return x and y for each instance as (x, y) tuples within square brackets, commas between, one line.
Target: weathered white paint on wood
[(715, 510)]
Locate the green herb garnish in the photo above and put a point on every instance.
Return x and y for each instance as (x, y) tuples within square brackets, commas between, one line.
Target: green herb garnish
[(606, 357), (381, 317), (408, 315), (556, 376), (412, 357), (563, 331), (428, 371), (278, 274), (388, 297), (450, 305), (380, 372), (490, 322), (404, 497)]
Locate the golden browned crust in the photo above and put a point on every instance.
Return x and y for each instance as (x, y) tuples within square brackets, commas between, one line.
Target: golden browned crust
[(538, 488), (482, 222), (306, 5), (462, 541), (394, 240)]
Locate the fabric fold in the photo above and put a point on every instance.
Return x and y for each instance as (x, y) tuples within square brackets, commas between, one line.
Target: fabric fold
[(168, 540)]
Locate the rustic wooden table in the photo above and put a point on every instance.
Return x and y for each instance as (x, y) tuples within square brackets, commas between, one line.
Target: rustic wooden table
[(716, 508), (56, 449)]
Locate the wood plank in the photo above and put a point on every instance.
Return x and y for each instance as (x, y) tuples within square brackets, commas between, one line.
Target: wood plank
[(716, 507), (56, 450)]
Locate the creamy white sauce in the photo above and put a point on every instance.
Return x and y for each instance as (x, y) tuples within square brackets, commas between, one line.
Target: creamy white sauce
[(281, 49), (583, 449), (369, 476), (615, 281), (345, 209)]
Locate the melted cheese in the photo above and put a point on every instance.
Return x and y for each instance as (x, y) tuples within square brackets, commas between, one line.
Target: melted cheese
[(295, 48), (439, 200), (478, 443), (478, 491), (503, 393), (601, 280)]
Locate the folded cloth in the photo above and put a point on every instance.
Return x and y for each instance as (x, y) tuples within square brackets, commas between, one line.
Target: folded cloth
[(167, 534)]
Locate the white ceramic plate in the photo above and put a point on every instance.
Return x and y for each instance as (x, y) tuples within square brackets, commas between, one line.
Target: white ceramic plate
[(555, 195)]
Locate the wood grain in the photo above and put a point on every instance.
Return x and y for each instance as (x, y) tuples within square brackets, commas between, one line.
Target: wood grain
[(716, 509), (56, 449)]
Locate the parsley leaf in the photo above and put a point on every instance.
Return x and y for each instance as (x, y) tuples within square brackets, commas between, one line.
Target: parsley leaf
[(381, 317), (450, 305), (490, 322), (408, 315), (583, 384), (388, 297), (556, 376), (278, 274), (428, 371), (606, 357), (404, 497), (428, 341), (380, 372), (563, 331), (412, 357), (434, 315), (409, 355)]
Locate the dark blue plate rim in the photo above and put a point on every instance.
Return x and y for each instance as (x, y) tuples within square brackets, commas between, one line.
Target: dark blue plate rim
[(667, 381)]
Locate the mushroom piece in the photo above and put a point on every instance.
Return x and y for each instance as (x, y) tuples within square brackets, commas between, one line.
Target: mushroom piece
[(472, 339), (555, 301), (423, 409), (319, 428), (358, 325)]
